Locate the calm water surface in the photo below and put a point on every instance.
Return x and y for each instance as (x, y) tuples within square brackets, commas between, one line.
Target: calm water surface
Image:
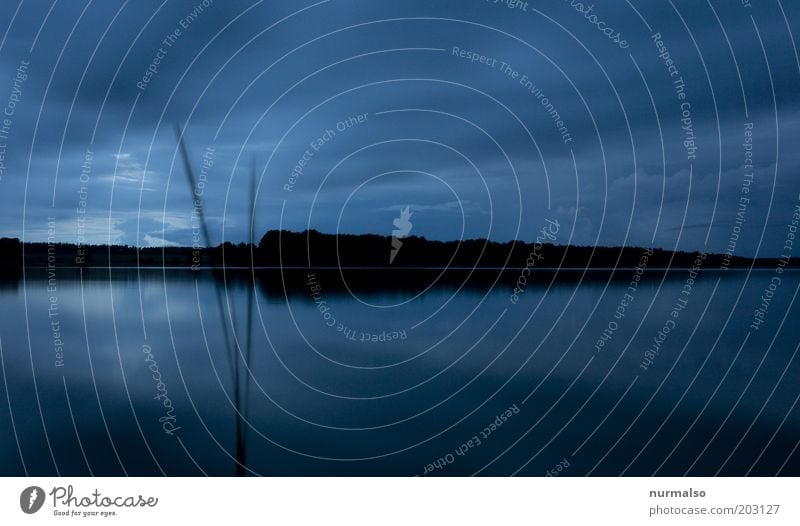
[(141, 373)]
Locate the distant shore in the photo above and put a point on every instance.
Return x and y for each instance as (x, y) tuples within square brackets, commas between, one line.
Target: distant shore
[(289, 251)]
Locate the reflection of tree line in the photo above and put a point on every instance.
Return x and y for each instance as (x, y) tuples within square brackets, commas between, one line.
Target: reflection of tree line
[(315, 249)]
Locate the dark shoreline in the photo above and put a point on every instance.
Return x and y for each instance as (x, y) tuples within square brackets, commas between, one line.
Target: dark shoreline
[(314, 250)]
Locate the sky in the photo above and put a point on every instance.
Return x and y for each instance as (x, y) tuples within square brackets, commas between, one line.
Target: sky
[(667, 123)]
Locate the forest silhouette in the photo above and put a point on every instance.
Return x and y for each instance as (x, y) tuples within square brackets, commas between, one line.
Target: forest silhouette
[(313, 249)]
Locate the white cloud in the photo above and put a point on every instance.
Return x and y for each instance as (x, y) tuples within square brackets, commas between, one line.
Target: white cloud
[(152, 241)]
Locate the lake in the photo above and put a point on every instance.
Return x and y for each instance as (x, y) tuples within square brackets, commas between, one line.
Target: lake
[(429, 373)]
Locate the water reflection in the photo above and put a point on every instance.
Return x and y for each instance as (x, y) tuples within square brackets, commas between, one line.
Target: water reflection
[(366, 374)]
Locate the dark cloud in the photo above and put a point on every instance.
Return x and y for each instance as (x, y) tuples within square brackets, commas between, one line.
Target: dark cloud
[(269, 78)]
